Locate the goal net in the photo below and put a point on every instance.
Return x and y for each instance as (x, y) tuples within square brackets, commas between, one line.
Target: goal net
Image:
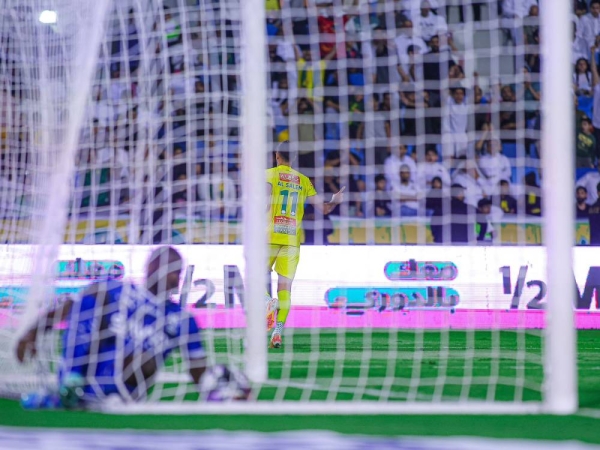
[(126, 125)]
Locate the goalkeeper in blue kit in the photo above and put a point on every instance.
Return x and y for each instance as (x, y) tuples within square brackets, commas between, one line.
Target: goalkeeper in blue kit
[(119, 335)]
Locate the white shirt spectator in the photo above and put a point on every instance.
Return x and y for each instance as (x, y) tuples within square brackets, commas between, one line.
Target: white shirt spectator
[(476, 186), (590, 28), (427, 171), (455, 120), (430, 25), (583, 81), (412, 8), (409, 189), (590, 181), (391, 169), (495, 166), (580, 49), (517, 8), (403, 41)]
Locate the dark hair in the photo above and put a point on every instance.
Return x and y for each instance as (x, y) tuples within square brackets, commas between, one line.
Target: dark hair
[(438, 179), (503, 182), (594, 2), (380, 177), (456, 189), (432, 149), (484, 202), (584, 189), (598, 187), (586, 119), (178, 170)]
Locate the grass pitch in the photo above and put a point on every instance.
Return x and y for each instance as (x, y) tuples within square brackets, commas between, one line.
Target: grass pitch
[(449, 365)]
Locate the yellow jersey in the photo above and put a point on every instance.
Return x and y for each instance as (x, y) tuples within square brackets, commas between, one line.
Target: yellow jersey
[(289, 192)]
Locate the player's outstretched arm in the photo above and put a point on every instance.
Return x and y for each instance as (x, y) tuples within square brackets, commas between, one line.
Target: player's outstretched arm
[(326, 207), (26, 344)]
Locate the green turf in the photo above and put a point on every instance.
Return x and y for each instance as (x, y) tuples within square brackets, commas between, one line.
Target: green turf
[(459, 346)]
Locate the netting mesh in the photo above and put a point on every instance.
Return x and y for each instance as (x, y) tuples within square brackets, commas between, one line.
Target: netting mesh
[(428, 113)]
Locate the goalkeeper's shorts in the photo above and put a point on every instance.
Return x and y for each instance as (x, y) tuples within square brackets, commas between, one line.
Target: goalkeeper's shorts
[(285, 258)]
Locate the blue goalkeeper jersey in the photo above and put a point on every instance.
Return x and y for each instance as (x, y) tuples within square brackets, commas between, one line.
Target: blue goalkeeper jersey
[(111, 334)]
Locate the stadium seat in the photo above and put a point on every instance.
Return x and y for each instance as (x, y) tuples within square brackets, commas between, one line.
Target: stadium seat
[(509, 150), (518, 174), (585, 104), (356, 79), (581, 171)]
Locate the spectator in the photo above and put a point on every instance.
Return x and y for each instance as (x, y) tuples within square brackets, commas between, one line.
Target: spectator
[(581, 9), (299, 16), (462, 216), (582, 78), (531, 24), (533, 195), (382, 61), (430, 169), (397, 158), (589, 181), (405, 40), (475, 185), (406, 196), (586, 145), (579, 48), (311, 74), (434, 198), (306, 124), (533, 59), (436, 66), (179, 195), (454, 126), (486, 230), (581, 208), (594, 218), (508, 113), (505, 201), (493, 164), (434, 207), (517, 9), (356, 108), (428, 24), (383, 200), (411, 105), (590, 23), (172, 29), (377, 130)]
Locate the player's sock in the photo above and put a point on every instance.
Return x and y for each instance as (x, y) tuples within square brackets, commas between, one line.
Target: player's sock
[(285, 300), (278, 328)]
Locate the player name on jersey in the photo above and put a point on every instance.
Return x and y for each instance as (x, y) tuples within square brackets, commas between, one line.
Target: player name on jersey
[(289, 180)]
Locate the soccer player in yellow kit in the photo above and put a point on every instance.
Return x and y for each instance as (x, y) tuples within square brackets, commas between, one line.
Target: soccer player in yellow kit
[(288, 190)]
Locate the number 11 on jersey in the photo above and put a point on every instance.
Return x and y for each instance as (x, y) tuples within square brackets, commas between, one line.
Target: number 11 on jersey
[(284, 204)]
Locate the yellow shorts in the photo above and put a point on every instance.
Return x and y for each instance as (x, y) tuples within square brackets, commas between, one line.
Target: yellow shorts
[(285, 258)]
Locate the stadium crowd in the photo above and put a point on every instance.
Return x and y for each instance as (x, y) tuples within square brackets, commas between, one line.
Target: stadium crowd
[(401, 101)]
